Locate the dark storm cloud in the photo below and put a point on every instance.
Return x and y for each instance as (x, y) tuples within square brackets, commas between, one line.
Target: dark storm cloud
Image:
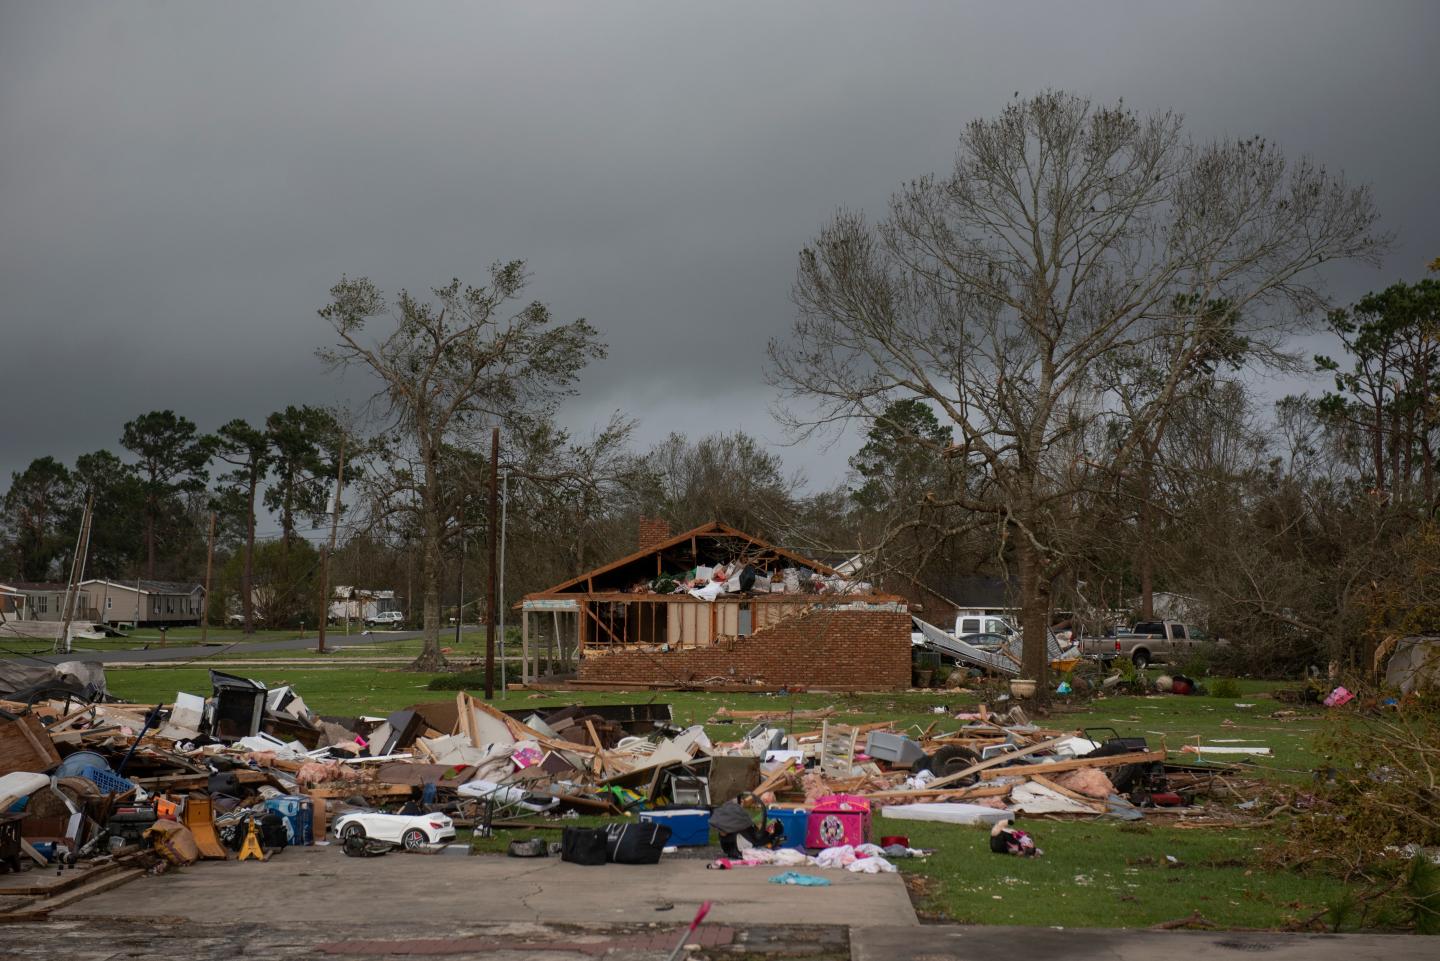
[(180, 183)]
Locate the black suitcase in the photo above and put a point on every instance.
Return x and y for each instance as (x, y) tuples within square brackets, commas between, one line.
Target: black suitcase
[(640, 843), (583, 846)]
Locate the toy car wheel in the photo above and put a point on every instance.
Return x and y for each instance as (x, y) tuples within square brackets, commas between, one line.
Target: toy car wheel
[(414, 839), (353, 831)]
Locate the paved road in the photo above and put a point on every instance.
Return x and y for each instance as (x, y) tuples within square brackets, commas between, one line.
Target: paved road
[(190, 652), (452, 889)]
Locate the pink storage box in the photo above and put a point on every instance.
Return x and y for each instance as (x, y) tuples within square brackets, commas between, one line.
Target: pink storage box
[(838, 819)]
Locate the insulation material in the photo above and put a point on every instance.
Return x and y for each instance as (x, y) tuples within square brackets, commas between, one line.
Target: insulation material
[(1030, 798), (1089, 781), (946, 812)]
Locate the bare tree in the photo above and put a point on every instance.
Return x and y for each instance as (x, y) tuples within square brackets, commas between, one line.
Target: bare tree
[(1067, 233), (448, 369)]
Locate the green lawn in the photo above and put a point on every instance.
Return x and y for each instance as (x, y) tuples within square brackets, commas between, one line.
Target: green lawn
[(1104, 874)]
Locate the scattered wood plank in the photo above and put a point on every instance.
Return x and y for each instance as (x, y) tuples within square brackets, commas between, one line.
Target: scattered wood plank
[(1056, 767), (993, 763), (1092, 803), (41, 909)]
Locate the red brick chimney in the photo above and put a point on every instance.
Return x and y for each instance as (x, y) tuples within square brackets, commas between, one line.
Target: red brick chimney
[(653, 531)]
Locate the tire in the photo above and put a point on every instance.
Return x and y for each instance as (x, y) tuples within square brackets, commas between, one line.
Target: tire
[(952, 759), (1141, 659), (414, 839), (353, 831)]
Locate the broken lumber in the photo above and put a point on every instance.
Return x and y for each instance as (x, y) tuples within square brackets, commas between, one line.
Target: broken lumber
[(1056, 767)]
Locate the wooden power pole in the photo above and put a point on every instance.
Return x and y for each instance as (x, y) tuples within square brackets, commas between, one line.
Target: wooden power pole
[(209, 566), (325, 558), (493, 602), (77, 574)]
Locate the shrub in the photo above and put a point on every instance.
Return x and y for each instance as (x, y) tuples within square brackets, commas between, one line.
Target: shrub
[(1226, 687), (1373, 813)]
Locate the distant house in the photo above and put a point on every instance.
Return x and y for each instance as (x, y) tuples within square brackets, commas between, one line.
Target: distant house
[(45, 600), (979, 594), (12, 603), (1169, 606), (143, 603), (716, 605), (358, 603)]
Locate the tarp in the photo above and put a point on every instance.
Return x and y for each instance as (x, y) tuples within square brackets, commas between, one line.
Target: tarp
[(86, 679)]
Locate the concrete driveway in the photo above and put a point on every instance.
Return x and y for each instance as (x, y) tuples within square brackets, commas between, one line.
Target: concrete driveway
[(455, 888)]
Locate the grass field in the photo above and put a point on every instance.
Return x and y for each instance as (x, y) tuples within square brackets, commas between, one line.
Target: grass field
[(1099, 873)]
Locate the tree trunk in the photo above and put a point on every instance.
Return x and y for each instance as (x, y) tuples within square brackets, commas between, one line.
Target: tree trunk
[(247, 570), (1377, 432), (1427, 467), (150, 543), (1144, 552), (1397, 483), (430, 658), (1034, 615)]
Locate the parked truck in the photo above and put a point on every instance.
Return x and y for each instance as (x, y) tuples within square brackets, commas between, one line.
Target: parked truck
[(1148, 642)]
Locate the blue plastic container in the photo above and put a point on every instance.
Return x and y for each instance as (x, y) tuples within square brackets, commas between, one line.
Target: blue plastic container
[(793, 820), (108, 781), (299, 815), (689, 827)]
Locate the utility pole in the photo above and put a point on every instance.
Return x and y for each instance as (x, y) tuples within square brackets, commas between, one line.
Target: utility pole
[(325, 559), (77, 573), (460, 587), (504, 511), (209, 566), (494, 562)]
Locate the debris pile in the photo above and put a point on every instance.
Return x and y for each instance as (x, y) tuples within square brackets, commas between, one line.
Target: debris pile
[(251, 769)]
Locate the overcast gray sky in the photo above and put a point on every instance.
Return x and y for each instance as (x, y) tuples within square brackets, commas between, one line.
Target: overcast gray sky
[(181, 182)]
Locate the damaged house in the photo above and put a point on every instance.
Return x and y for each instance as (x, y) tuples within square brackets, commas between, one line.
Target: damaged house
[(716, 607)]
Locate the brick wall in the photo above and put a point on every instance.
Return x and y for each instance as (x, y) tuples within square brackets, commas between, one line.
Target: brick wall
[(852, 650), (653, 530)]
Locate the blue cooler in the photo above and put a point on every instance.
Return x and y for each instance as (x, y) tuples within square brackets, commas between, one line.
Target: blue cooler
[(689, 827), (299, 815), (793, 820)]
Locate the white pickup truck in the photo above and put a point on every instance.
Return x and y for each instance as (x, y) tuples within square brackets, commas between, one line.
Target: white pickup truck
[(1148, 642)]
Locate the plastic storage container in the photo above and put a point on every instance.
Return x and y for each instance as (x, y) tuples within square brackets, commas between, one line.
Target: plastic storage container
[(795, 822), (689, 827), (838, 819), (299, 815), (108, 781)]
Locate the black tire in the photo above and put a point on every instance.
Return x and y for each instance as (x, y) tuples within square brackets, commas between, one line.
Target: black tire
[(353, 831), (1141, 659), (414, 839), (951, 759)]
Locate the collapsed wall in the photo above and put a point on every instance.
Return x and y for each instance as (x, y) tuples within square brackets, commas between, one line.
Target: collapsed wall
[(864, 650)]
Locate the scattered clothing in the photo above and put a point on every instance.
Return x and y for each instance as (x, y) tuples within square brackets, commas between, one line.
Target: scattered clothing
[(803, 880)]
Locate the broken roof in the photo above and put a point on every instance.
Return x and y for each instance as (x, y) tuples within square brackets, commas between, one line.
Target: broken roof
[(707, 544)]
